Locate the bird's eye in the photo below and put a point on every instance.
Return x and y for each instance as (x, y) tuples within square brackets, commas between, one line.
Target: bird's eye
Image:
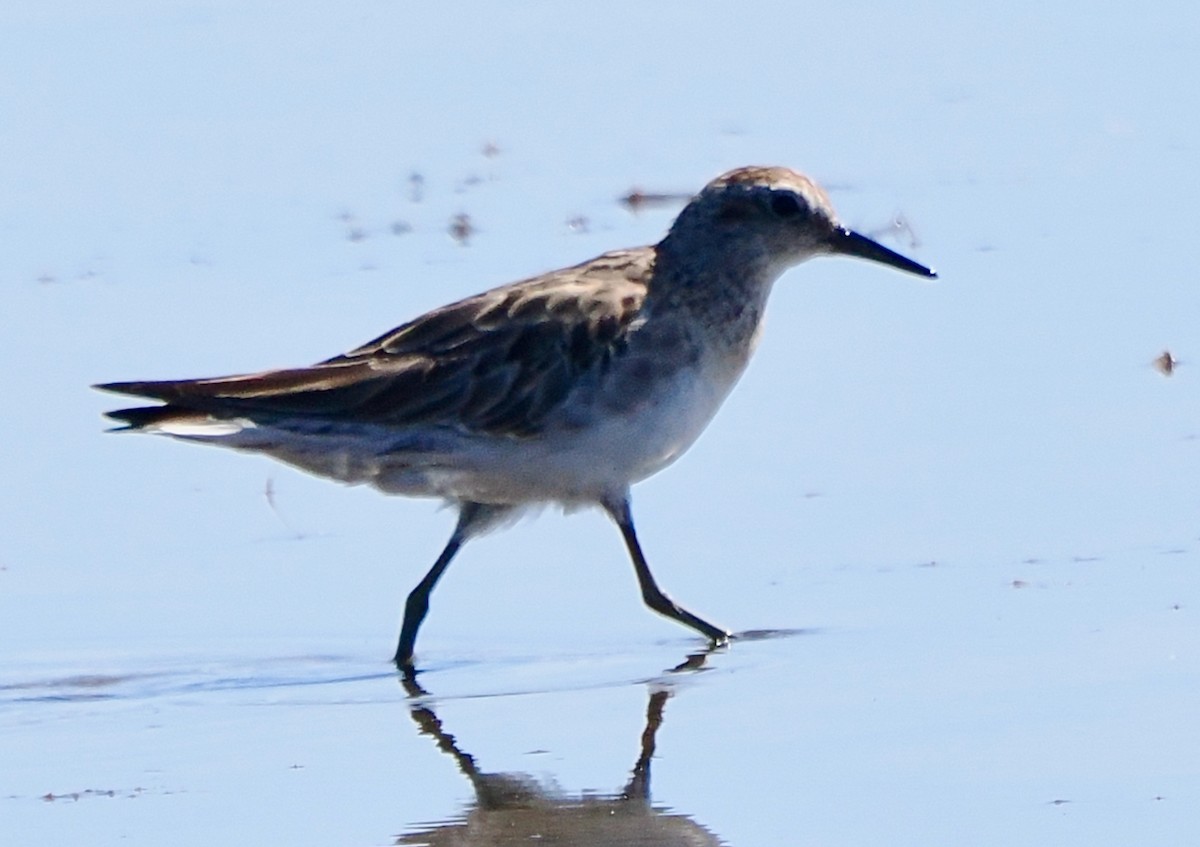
[(785, 205)]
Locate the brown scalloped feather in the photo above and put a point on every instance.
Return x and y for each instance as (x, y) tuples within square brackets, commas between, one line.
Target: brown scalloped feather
[(493, 363)]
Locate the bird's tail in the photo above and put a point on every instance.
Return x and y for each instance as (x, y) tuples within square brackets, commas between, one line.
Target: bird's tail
[(174, 420)]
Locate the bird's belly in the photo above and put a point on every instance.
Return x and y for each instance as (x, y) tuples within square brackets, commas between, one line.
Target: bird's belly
[(588, 461), (595, 450)]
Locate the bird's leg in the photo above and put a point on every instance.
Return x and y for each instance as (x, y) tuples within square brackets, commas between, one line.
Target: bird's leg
[(652, 595), (470, 516), (417, 605)]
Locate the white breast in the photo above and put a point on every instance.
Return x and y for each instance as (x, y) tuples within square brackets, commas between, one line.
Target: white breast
[(621, 443)]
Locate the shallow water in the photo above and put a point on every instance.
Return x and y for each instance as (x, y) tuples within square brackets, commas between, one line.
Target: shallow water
[(972, 504)]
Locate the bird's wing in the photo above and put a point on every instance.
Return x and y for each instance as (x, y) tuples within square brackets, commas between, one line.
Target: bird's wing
[(496, 363)]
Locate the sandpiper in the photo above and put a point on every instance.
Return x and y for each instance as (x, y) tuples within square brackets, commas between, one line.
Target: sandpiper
[(564, 388)]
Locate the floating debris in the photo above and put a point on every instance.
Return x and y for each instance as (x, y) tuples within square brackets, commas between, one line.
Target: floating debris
[(416, 187), (636, 199), (87, 793), (898, 227), (354, 231), (461, 229), (269, 494), (1165, 363), (467, 182)]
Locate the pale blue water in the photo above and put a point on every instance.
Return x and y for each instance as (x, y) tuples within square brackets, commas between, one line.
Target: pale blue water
[(977, 498)]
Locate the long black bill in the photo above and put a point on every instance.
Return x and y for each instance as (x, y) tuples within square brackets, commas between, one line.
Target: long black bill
[(847, 242)]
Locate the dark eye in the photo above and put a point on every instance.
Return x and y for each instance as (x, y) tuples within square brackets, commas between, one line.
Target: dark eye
[(785, 205)]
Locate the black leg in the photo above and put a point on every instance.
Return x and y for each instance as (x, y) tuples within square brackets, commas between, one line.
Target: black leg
[(653, 596), (470, 517)]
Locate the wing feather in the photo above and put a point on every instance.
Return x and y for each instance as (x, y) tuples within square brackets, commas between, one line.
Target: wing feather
[(498, 363)]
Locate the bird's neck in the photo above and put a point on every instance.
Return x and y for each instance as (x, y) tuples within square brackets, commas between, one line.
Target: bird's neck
[(723, 288)]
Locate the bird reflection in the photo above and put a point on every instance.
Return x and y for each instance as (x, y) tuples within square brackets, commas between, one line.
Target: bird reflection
[(511, 809)]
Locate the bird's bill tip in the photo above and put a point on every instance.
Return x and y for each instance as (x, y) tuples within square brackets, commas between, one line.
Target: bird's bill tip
[(847, 242)]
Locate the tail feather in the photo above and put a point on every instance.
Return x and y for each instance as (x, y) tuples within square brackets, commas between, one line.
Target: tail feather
[(174, 420), (145, 417), (317, 390), (262, 385)]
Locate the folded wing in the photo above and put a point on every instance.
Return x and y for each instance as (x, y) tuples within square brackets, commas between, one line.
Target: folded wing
[(498, 363)]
